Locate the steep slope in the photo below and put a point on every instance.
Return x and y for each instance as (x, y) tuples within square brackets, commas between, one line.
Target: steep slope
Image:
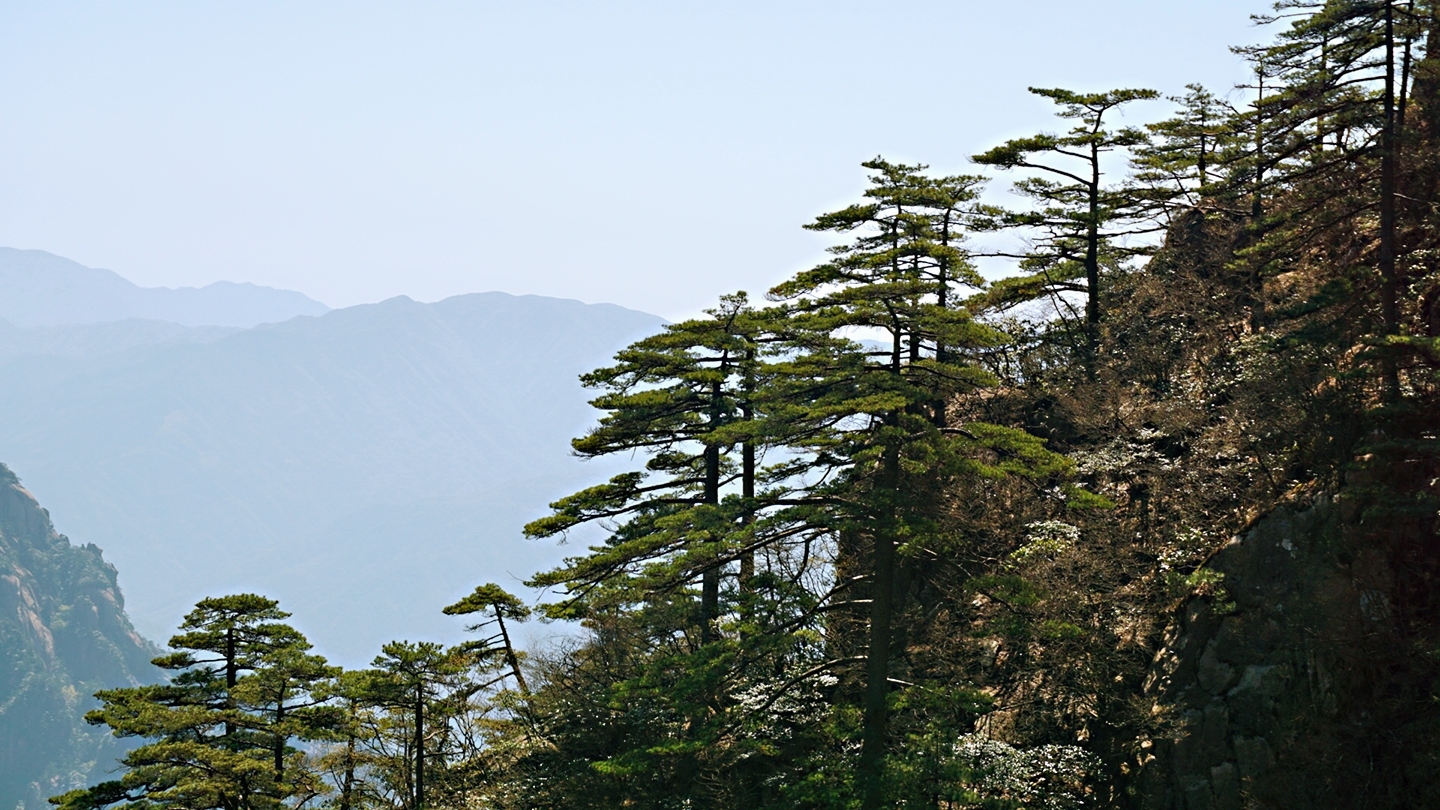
[(365, 467), (63, 635), (42, 289)]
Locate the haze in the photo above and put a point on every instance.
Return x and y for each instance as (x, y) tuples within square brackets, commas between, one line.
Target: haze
[(653, 155)]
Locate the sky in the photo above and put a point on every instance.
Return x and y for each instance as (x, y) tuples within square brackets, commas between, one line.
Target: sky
[(650, 154)]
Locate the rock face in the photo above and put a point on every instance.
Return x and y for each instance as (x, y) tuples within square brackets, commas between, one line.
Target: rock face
[(1290, 685), (63, 635)]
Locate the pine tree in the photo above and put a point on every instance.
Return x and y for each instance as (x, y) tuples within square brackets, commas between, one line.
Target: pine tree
[(219, 732), (865, 446), (421, 685), (1329, 137), (686, 400), (491, 599), (679, 398), (346, 760), (1081, 224), (1184, 162), (872, 423), (288, 694)]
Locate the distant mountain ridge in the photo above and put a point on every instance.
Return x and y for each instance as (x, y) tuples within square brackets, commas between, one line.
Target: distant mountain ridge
[(42, 289), (365, 467)]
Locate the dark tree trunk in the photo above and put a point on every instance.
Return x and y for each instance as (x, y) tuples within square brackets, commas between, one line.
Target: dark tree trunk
[(877, 658), (232, 676), (1389, 155), (747, 491), (511, 659), (347, 783), (1256, 282), (279, 739), (710, 580), (419, 747), (1092, 267)]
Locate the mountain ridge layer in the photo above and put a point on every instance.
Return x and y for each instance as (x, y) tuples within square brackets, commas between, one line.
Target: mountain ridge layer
[(41, 289)]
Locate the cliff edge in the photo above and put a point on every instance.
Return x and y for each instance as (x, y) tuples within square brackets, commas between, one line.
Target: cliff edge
[(63, 635)]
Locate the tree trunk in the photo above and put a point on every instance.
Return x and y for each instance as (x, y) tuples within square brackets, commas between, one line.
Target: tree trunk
[(510, 658), (347, 783), (747, 491), (877, 658), (942, 300), (279, 739), (1389, 148), (747, 470), (1092, 267), (419, 747), (710, 580), (1256, 282), (232, 676)]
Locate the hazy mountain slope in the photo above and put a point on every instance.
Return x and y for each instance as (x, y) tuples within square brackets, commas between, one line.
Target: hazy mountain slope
[(63, 635), (81, 340), (363, 467), (41, 289)]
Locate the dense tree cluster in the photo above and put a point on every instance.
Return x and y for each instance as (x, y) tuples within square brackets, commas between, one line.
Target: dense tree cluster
[(903, 537)]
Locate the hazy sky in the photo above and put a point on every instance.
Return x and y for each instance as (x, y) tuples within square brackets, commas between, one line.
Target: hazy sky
[(650, 154)]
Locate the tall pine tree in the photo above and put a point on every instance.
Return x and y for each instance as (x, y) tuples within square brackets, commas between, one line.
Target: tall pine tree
[(1081, 224)]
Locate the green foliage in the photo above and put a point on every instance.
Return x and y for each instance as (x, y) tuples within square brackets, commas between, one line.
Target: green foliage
[(1080, 225), (1183, 163), (489, 597), (219, 733)]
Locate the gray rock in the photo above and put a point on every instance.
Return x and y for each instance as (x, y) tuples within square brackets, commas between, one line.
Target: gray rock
[(1214, 734), (1214, 675), (1254, 756), (1225, 784), (1198, 795)]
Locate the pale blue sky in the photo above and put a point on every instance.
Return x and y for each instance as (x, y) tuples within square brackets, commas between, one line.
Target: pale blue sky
[(650, 154)]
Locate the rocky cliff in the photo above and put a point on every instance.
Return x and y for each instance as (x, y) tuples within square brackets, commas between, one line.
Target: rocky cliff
[(1295, 681), (63, 635)]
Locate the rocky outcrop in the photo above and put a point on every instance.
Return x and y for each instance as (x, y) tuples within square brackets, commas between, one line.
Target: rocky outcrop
[(1289, 684), (63, 635)]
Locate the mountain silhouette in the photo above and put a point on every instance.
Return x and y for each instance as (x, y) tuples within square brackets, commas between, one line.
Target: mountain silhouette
[(42, 289)]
